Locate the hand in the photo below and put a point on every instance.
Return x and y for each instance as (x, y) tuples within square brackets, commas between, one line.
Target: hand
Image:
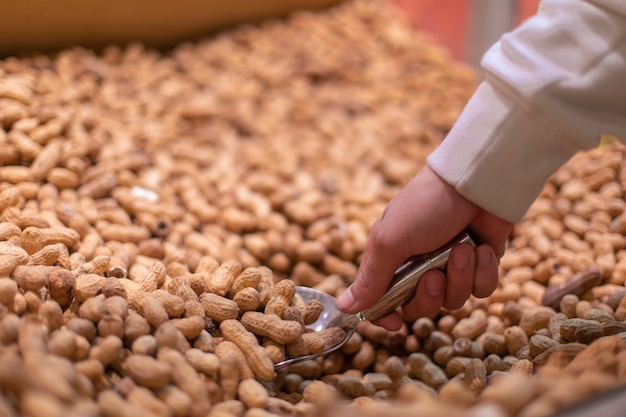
[(425, 215)]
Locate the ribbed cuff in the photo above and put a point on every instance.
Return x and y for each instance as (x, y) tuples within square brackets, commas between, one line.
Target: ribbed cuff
[(497, 156)]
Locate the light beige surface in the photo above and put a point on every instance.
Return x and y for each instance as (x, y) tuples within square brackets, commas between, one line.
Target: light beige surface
[(43, 25)]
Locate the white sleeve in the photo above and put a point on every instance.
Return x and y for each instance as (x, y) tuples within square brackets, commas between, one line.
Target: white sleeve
[(552, 87)]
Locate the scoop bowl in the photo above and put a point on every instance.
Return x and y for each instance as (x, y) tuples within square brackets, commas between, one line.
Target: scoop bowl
[(401, 290)]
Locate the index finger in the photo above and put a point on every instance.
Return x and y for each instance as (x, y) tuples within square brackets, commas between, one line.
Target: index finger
[(378, 266)]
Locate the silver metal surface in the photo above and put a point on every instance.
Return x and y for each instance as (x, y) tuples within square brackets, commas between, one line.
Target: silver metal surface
[(407, 277), (401, 290), (330, 317)]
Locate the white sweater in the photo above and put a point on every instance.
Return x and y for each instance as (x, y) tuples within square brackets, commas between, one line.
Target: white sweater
[(552, 88)]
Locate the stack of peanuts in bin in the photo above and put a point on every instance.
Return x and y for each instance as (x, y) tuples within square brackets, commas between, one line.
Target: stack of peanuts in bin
[(157, 210)]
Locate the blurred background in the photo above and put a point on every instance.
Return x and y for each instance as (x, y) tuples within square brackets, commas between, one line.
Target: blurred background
[(466, 27)]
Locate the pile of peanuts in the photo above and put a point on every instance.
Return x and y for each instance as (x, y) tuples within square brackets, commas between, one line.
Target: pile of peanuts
[(157, 210)]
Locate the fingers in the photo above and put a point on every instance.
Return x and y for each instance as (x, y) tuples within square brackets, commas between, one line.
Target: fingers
[(429, 296), (460, 272), (391, 322), (491, 230), (469, 272), (486, 273), (400, 233)]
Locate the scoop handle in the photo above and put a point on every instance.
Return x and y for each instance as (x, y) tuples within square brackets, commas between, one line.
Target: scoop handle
[(408, 275)]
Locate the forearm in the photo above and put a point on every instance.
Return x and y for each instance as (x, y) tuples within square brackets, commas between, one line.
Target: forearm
[(551, 88)]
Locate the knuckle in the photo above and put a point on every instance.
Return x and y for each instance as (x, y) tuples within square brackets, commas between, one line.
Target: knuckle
[(382, 240)]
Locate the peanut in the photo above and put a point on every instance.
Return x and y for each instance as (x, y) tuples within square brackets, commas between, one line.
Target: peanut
[(577, 285), (515, 339), (320, 394), (535, 319), (423, 368), (29, 277), (168, 336), (226, 347), (145, 399), (219, 308), (229, 375), (314, 309), (266, 285), (8, 290), (364, 358), (284, 293), (190, 327), (272, 326), (106, 350), (257, 357), (247, 299), (472, 326), (147, 371), (145, 345), (173, 304), (177, 400), (206, 363), (476, 375), (187, 379), (252, 393), (223, 278), (275, 350), (248, 278), (150, 308)]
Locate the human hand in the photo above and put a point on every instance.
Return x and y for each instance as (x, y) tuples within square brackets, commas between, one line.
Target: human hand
[(425, 215)]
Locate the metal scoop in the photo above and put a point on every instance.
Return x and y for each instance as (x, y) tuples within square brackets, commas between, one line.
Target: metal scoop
[(401, 290)]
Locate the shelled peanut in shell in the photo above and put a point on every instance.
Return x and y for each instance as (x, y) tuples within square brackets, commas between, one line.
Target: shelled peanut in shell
[(147, 198)]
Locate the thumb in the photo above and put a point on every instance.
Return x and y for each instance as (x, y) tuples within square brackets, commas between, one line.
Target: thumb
[(426, 214), (370, 283)]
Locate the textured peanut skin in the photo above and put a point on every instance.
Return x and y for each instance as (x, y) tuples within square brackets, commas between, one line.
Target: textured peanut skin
[(523, 366), (219, 308), (284, 293), (173, 304), (32, 277), (151, 309), (185, 377), (313, 310), (476, 375), (248, 278), (190, 327), (422, 367), (247, 299), (252, 393), (224, 277), (535, 319), (266, 285), (225, 347), (275, 350), (307, 344), (204, 362), (148, 372), (229, 375), (472, 326), (257, 357), (272, 326)]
